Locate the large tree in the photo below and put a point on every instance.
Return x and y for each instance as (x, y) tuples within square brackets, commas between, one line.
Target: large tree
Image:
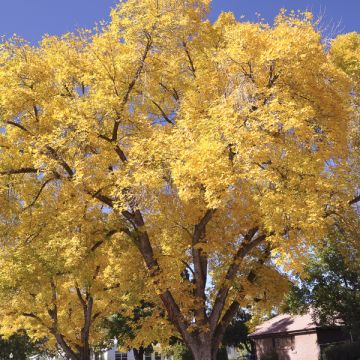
[(220, 149), (331, 283), (61, 280)]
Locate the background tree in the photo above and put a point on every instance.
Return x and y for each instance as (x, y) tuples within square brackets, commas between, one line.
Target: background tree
[(20, 345), (331, 285), (236, 334), (125, 328), (217, 149), (63, 281)]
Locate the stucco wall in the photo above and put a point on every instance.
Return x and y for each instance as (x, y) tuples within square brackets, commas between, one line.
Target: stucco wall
[(305, 348), (263, 346)]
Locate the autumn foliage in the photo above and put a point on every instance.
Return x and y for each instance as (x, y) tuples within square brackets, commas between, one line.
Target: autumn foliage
[(165, 156)]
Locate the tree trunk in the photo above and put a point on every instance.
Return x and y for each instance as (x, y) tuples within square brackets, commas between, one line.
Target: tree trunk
[(202, 353), (202, 350), (139, 353), (85, 354), (222, 354)]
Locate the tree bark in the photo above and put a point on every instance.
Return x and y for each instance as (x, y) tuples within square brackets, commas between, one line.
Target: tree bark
[(139, 353), (202, 352)]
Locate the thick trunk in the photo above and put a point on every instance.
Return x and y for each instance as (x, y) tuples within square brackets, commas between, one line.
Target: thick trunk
[(202, 353), (202, 348), (85, 354), (139, 353)]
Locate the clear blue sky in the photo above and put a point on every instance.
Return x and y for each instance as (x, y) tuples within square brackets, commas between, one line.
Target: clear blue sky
[(32, 18)]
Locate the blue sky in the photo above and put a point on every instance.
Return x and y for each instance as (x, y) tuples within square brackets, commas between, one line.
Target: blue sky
[(32, 18)]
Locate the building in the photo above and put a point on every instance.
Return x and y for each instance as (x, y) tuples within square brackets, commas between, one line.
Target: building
[(115, 354), (295, 337)]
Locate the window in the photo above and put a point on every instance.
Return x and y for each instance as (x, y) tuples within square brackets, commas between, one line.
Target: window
[(285, 343), (147, 356), (121, 356)]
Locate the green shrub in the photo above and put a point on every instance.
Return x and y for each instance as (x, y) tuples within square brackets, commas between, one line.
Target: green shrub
[(343, 352)]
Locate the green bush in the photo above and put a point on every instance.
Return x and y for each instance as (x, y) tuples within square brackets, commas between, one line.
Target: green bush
[(343, 352), (270, 356)]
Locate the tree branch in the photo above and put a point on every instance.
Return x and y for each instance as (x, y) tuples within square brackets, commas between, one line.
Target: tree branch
[(246, 246), (103, 198), (39, 193), (162, 113), (192, 67), (131, 85), (53, 153), (354, 200), (145, 248), (36, 317), (117, 148), (200, 261), (23, 128), (223, 324), (26, 170)]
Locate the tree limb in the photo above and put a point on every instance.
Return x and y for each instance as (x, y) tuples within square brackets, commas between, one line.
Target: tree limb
[(167, 119), (26, 170), (354, 200), (192, 67), (246, 246)]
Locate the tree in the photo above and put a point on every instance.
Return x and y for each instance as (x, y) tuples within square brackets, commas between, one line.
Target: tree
[(331, 285), (125, 329), (19, 345), (220, 149), (236, 334), (61, 282)]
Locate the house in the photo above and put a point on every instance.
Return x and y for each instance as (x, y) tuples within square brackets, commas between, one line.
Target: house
[(116, 354), (295, 337)]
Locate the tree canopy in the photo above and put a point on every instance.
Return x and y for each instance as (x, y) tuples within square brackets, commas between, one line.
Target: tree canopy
[(331, 285), (61, 281), (216, 153)]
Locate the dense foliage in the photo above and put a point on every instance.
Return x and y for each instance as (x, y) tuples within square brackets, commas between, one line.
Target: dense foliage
[(343, 352), (19, 345), (331, 285), (163, 156)]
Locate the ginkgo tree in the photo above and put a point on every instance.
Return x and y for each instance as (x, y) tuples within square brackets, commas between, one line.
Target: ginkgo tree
[(220, 150)]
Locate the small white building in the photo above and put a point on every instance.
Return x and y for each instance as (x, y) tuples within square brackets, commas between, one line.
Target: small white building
[(115, 354)]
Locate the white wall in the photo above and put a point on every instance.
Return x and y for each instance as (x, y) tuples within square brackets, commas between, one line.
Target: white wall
[(110, 355)]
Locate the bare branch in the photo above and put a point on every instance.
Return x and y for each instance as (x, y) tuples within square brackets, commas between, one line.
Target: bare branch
[(162, 113), (131, 85), (26, 170), (117, 148), (224, 323), (53, 153), (192, 67), (354, 200), (103, 198), (246, 246), (79, 295), (13, 123), (39, 193)]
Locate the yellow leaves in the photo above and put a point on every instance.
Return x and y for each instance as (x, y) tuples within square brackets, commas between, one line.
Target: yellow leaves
[(345, 52), (209, 172), (163, 112)]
